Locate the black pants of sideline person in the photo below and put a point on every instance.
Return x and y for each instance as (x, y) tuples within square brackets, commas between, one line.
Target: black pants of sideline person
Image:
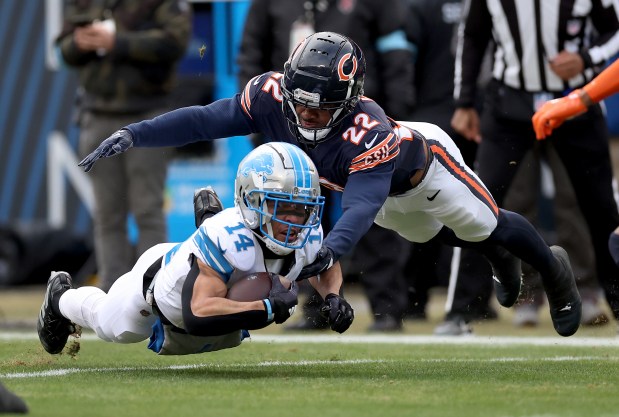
[(582, 145)]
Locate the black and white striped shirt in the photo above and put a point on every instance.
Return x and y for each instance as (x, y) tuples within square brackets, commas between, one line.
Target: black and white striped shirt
[(528, 34)]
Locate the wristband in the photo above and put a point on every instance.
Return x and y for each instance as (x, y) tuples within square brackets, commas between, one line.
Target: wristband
[(269, 309), (585, 98)]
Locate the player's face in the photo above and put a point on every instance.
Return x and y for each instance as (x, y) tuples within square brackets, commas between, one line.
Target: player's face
[(312, 118), (287, 212)]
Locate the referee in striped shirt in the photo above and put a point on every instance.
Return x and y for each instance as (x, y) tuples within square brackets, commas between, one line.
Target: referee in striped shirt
[(544, 49)]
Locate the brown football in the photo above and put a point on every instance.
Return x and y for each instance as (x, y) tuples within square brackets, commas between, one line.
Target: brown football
[(251, 287)]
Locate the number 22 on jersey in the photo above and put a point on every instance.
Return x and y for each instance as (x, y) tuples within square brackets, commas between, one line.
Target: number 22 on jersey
[(362, 125)]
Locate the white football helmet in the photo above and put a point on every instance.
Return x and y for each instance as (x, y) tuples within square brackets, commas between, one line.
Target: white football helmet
[(274, 176)]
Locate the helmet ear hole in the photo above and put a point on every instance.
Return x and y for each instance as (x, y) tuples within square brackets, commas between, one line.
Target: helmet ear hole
[(250, 216)]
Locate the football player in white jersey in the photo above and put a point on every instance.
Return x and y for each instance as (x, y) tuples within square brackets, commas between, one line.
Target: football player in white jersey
[(176, 292)]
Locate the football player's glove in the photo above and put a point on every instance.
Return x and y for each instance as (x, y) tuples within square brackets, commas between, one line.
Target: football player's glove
[(119, 142), (339, 313), (281, 300), (324, 260), (206, 204), (553, 113)]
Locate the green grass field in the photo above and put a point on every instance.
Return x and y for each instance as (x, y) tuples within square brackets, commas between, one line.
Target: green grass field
[(322, 375)]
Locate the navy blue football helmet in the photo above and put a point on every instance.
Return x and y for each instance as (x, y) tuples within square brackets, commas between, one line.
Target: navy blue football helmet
[(325, 71)]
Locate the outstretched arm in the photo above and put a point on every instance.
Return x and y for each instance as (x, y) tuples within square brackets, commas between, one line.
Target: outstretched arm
[(335, 308), (605, 84), (554, 112), (223, 118), (330, 281)]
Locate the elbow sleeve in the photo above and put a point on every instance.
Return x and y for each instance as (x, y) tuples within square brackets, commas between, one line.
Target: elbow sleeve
[(224, 324), (217, 325)]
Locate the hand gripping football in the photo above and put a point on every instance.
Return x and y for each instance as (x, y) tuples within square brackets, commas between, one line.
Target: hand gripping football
[(253, 286)]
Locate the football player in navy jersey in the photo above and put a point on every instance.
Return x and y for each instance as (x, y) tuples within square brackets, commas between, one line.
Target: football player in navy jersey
[(408, 177)]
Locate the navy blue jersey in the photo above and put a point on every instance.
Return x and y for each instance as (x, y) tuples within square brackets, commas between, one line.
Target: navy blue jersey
[(359, 158)]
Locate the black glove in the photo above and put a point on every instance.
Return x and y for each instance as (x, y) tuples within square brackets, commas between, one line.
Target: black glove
[(339, 313), (324, 260), (119, 142), (283, 301), (206, 204)]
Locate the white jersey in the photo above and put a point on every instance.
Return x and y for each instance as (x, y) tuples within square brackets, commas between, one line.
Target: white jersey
[(224, 243)]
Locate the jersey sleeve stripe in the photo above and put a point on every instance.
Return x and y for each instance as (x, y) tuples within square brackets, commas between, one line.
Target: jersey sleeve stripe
[(168, 256), (331, 185), (245, 100), (376, 155), (473, 184), (363, 166), (367, 153), (213, 255)]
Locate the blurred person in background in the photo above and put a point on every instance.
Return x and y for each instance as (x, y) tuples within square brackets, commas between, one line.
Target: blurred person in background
[(432, 28), (542, 52), (272, 29), (125, 52)]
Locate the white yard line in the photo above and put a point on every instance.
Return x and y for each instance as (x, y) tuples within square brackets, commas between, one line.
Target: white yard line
[(70, 371), (392, 339)]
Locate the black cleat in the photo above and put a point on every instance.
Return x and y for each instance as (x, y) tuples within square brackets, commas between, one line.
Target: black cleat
[(507, 275), (563, 296), (54, 329), (206, 204)]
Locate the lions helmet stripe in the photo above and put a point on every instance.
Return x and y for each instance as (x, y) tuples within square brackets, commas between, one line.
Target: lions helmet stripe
[(301, 168)]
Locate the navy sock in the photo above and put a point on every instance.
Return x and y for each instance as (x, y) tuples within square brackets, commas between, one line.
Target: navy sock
[(515, 234)]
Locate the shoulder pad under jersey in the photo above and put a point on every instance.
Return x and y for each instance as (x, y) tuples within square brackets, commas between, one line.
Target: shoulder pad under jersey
[(264, 88), (232, 239)]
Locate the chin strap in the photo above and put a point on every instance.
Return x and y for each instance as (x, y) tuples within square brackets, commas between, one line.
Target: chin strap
[(272, 246)]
